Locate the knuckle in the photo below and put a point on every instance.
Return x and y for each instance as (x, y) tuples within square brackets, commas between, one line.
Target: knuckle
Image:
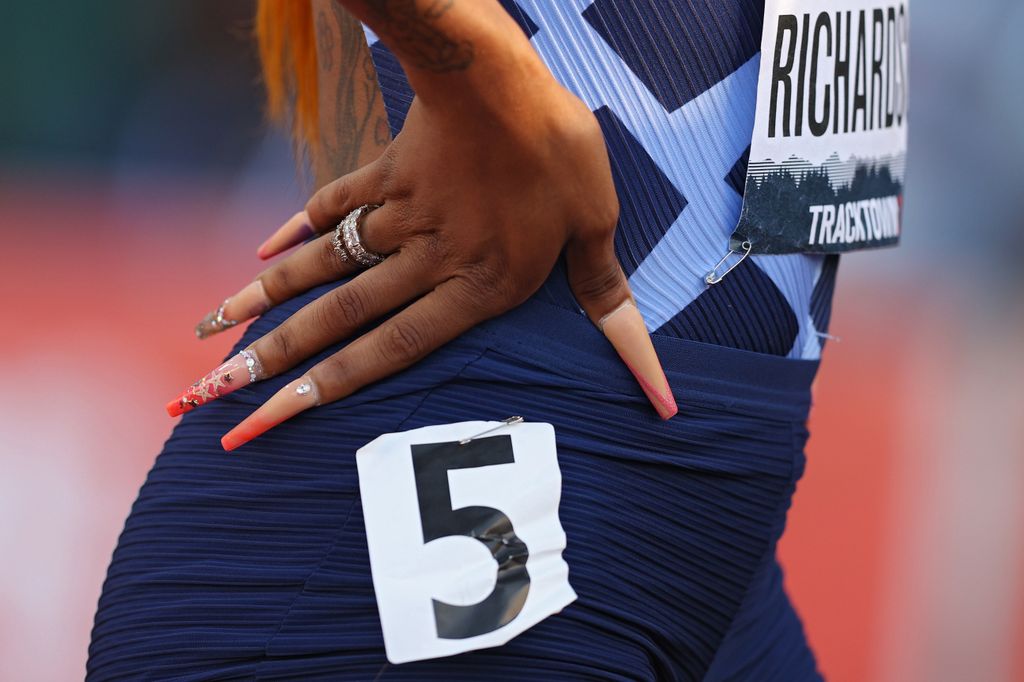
[(487, 288), (276, 282), (333, 376), (348, 307), (386, 167), (507, 289), (599, 282), (402, 342), (322, 320), (479, 276), (282, 349), (432, 248), (332, 196), (481, 273), (340, 192)]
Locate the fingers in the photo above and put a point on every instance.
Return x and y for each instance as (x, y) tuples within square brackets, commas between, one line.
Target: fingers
[(330, 318), (339, 313), (625, 328), (325, 210), (295, 397), (452, 308), (600, 286), (337, 199), (251, 301), (296, 230), (316, 263)]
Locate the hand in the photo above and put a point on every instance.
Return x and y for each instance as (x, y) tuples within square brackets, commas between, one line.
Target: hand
[(474, 213)]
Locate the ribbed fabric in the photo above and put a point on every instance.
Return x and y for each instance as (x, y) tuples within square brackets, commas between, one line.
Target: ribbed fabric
[(673, 85), (253, 565)]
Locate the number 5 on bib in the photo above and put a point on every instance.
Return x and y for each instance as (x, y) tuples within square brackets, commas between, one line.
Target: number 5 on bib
[(464, 538)]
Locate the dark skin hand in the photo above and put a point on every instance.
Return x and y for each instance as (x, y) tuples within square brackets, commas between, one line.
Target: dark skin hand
[(498, 169)]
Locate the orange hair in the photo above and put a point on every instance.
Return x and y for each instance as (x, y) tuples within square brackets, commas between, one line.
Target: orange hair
[(287, 45)]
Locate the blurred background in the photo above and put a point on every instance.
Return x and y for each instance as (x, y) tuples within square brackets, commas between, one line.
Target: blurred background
[(134, 161)]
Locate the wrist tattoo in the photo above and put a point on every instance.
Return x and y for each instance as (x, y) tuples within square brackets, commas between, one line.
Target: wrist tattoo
[(349, 92), (411, 27)]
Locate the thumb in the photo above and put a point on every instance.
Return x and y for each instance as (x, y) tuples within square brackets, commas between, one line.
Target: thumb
[(600, 286)]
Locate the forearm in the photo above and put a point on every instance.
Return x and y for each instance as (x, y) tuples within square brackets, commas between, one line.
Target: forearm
[(353, 125), (456, 51)]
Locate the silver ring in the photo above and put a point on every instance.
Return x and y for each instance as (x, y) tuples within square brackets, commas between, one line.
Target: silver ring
[(348, 232), (339, 247)]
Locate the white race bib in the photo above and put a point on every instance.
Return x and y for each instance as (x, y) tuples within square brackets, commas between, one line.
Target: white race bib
[(464, 539), (827, 157)]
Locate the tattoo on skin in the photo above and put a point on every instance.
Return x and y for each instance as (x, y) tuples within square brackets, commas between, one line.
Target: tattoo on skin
[(415, 35), (325, 42), (351, 111)]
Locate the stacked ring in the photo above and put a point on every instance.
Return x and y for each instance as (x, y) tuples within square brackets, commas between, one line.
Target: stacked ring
[(347, 243)]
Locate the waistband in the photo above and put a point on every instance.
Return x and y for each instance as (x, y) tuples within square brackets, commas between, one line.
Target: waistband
[(565, 340), (549, 330)]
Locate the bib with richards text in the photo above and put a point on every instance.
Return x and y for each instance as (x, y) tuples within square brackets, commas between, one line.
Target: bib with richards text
[(827, 158)]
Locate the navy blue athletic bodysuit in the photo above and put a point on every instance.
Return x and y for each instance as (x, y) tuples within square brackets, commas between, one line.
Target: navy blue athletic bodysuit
[(253, 565)]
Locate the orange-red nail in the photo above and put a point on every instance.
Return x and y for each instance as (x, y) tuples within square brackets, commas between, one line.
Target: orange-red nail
[(295, 397), (625, 328)]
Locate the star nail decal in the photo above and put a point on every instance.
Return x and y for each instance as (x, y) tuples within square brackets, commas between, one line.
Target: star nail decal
[(203, 393), (217, 381)]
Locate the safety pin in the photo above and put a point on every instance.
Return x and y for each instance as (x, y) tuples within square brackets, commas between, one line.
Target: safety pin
[(504, 422), (714, 278)]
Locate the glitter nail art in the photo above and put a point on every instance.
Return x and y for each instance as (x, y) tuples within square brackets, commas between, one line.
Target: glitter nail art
[(214, 323), (240, 370), (248, 303), (252, 364)]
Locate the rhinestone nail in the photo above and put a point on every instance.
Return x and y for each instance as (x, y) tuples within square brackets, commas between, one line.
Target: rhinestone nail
[(252, 363)]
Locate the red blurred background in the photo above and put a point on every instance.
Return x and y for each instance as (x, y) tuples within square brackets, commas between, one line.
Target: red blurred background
[(133, 161)]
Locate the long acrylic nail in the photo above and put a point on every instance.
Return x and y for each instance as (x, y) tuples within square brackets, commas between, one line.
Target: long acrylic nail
[(246, 304), (625, 328), (295, 397), (296, 230), (240, 370)]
